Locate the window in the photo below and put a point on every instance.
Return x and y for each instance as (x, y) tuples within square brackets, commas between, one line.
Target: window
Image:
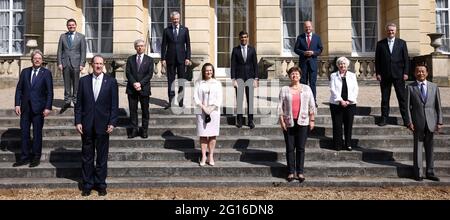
[(364, 26), (12, 27), (99, 26), (295, 13), (232, 18), (442, 23), (159, 19)]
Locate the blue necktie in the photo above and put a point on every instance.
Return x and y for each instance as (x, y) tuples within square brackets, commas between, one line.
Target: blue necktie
[(175, 34), (422, 92), (69, 39), (33, 75)]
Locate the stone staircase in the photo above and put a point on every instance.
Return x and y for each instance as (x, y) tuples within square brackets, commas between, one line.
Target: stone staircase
[(382, 156)]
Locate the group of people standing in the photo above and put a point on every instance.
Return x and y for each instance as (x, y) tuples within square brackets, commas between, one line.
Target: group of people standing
[(95, 98)]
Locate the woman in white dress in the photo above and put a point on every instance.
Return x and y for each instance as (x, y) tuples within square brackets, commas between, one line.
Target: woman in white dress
[(208, 100)]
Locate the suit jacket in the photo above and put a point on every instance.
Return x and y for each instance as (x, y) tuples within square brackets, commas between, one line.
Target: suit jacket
[(392, 65), (38, 96), (97, 114), (176, 51), (143, 75), (421, 114), (241, 69), (336, 87), (75, 55), (301, 46)]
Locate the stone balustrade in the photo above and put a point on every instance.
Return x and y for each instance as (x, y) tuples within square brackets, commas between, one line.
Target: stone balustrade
[(276, 67)]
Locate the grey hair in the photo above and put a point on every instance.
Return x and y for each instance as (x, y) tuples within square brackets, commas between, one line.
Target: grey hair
[(343, 60), (138, 41), (37, 51), (174, 13), (391, 25)]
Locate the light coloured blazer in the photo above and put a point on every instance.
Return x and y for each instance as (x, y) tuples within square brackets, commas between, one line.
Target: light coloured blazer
[(421, 114), (202, 88), (75, 55), (307, 105), (336, 87)]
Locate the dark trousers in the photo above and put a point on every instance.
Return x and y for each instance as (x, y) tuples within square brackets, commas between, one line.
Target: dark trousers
[(133, 100), (309, 77), (71, 77), (386, 86), (423, 139), (295, 139), (339, 116), (249, 91), (172, 71), (94, 175), (26, 119)]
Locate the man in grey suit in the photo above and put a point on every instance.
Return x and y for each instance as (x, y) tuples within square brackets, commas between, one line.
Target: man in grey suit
[(71, 59), (424, 117)]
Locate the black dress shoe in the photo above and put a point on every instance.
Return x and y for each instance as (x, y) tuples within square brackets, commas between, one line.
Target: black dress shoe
[(349, 148), (180, 104), (338, 148), (382, 122), (35, 162), (144, 133), (418, 178), (20, 163), (433, 177), (85, 192), (251, 124), (301, 178), (167, 106), (102, 192), (64, 108), (133, 133)]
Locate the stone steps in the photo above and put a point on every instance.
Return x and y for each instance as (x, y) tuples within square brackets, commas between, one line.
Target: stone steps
[(193, 155), (263, 110), (224, 169), (225, 130), (187, 181), (169, 140)]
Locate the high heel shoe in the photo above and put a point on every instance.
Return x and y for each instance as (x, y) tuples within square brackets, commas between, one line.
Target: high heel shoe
[(290, 178), (202, 162), (301, 178), (211, 162)]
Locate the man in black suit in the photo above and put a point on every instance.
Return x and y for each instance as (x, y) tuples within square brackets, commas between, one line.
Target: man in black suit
[(175, 55), (33, 102), (392, 67), (139, 72), (244, 73), (96, 113)]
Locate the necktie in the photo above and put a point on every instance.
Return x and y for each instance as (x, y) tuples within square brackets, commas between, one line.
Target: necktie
[(244, 53), (138, 62), (69, 39), (96, 88), (33, 75), (175, 33), (308, 40), (423, 93)]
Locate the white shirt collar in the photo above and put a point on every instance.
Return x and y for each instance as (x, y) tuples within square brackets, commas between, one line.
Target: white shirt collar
[(424, 82), (100, 77), (391, 39)]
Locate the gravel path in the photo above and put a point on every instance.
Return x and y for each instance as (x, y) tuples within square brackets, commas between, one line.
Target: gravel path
[(237, 193)]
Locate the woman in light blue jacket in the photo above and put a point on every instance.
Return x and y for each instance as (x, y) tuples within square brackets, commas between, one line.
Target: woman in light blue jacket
[(344, 91), (296, 110)]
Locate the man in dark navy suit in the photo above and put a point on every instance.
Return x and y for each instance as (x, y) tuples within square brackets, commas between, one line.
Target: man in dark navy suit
[(96, 113), (308, 47), (392, 68), (139, 72), (175, 55), (244, 73), (33, 102)]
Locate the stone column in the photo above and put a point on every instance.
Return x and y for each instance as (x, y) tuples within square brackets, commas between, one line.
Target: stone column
[(268, 28), (333, 26), (198, 18)]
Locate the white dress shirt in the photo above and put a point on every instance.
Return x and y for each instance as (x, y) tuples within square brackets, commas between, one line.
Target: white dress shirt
[(96, 84)]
